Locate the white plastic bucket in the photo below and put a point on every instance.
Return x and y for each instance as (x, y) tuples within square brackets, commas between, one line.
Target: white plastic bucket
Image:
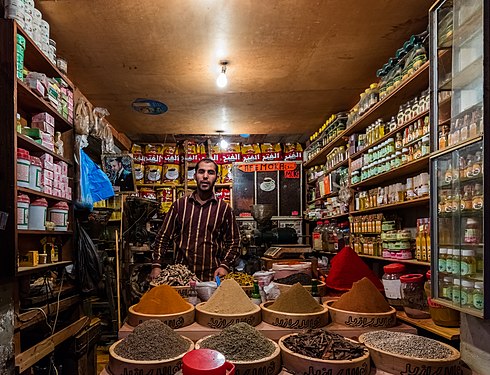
[(37, 214), (23, 166), (35, 174), (23, 202), (58, 214)]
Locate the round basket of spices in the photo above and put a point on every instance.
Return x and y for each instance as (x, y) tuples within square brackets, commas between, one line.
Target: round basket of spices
[(227, 306), (153, 347), (403, 353), (362, 307), (295, 309), (162, 303), (248, 349), (323, 352)]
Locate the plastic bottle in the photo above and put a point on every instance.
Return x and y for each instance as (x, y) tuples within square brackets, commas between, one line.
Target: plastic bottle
[(256, 298), (317, 236), (314, 290), (192, 296)]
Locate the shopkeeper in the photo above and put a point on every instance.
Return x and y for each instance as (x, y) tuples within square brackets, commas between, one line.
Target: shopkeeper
[(203, 228)]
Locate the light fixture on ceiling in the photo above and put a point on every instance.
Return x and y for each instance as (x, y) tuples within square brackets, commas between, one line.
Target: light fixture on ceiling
[(223, 144), (222, 81)]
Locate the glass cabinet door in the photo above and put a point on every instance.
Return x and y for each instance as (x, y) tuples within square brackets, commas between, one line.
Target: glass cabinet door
[(458, 151)]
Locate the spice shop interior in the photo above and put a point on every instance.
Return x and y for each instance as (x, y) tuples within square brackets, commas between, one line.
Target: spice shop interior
[(239, 187)]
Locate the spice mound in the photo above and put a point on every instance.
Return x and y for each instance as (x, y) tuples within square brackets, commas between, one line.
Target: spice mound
[(406, 344), (241, 278), (320, 344), (240, 342), (161, 300), (302, 278), (229, 298), (152, 340), (176, 275), (296, 300), (364, 297)]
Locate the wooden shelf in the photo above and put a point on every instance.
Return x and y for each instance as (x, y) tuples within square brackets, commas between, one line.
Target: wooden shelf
[(329, 217), (455, 147), (407, 261), (427, 324), (42, 267), (395, 206), (337, 166), (390, 104), (189, 186), (463, 78), (390, 134), (396, 173), (43, 195), (32, 103), (331, 195), (321, 157), (45, 232), (33, 147), (36, 60), (466, 310)]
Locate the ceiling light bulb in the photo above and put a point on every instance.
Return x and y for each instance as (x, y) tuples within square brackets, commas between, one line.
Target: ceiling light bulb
[(222, 80), (223, 144)]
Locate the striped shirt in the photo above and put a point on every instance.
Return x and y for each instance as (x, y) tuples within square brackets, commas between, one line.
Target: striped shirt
[(206, 235)]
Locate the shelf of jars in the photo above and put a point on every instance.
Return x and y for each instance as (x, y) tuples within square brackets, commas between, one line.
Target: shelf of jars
[(36, 193), (395, 206), (407, 261), (42, 267), (323, 197)]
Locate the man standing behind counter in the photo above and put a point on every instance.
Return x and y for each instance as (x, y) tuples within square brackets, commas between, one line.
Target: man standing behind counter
[(203, 228)]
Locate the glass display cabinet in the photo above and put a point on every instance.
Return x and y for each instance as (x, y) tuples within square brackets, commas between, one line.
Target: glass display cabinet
[(459, 109)]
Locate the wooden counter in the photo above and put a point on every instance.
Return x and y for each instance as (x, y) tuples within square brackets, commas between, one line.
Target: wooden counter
[(196, 331), (427, 324)]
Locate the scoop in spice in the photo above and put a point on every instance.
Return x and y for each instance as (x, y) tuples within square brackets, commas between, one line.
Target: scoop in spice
[(240, 342), (152, 340), (363, 298), (229, 298), (296, 300)]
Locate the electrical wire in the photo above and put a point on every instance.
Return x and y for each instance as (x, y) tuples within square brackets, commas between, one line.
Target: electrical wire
[(44, 313), (58, 302)]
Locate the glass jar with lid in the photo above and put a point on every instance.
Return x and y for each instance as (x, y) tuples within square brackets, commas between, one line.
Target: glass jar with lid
[(441, 315), (472, 231), (468, 262), (449, 261), (441, 260), (413, 296), (456, 262), (392, 284), (404, 155), (467, 287), (400, 116), (456, 291), (478, 296), (447, 288)]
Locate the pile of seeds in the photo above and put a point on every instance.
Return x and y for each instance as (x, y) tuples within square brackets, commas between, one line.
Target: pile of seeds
[(229, 298), (240, 342), (407, 344), (176, 275), (317, 343), (152, 340), (302, 278)]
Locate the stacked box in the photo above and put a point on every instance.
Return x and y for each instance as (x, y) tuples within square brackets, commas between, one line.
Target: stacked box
[(61, 180)]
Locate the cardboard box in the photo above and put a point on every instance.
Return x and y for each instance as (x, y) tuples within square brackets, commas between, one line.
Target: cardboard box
[(47, 157), (48, 165), (49, 174), (57, 169), (57, 193), (63, 166), (29, 259), (48, 190), (44, 126), (43, 117), (45, 181)]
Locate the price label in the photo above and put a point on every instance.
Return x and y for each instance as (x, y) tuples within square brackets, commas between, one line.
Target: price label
[(291, 174)]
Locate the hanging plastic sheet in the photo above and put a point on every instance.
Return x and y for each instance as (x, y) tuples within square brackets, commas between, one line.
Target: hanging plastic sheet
[(94, 183)]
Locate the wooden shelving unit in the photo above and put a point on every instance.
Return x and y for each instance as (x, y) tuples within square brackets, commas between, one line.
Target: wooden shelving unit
[(331, 195), (45, 232), (394, 206), (406, 261), (447, 333), (42, 267), (35, 148), (36, 193)]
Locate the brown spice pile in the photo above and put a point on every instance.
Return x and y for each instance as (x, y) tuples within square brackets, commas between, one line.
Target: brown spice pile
[(161, 300), (152, 340), (296, 300), (364, 297), (229, 298)]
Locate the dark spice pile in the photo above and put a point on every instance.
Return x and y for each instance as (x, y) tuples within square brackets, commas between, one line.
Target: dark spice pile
[(240, 342), (317, 343), (302, 278), (363, 298), (152, 340), (296, 300)]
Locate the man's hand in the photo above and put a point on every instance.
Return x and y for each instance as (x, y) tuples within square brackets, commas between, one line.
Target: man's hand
[(220, 271), (155, 272)]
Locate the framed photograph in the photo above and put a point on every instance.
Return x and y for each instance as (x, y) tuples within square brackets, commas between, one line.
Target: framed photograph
[(119, 169)]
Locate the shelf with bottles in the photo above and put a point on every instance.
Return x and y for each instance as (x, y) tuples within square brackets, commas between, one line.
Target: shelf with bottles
[(415, 191), (327, 186), (330, 235), (397, 260)]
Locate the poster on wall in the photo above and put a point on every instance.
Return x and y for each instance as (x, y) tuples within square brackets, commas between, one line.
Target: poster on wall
[(120, 170)]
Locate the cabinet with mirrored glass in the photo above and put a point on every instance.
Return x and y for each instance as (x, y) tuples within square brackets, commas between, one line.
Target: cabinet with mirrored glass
[(459, 109)]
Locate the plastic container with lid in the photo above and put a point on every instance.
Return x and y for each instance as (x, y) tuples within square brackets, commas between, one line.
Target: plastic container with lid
[(441, 315), (23, 202), (58, 214), (206, 362), (441, 260), (467, 293), (392, 284), (478, 295), (456, 262), (37, 214), (23, 165), (413, 296), (468, 262), (35, 174)]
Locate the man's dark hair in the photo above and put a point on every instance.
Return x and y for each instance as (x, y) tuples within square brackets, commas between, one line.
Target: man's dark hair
[(118, 159), (206, 160)]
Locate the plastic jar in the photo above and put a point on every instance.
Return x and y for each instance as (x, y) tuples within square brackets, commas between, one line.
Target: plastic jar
[(392, 284), (37, 214), (467, 293), (456, 291), (58, 214), (441, 260), (35, 173), (23, 202), (413, 295), (468, 262), (478, 295), (23, 165)]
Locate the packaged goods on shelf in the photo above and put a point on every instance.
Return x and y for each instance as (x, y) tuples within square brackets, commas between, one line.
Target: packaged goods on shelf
[(329, 131), (250, 152)]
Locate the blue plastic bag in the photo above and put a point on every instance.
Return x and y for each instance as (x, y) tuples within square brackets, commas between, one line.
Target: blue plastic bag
[(94, 184)]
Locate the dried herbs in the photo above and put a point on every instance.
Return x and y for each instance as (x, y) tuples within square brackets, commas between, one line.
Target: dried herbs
[(240, 342), (317, 343), (152, 340), (176, 275)]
